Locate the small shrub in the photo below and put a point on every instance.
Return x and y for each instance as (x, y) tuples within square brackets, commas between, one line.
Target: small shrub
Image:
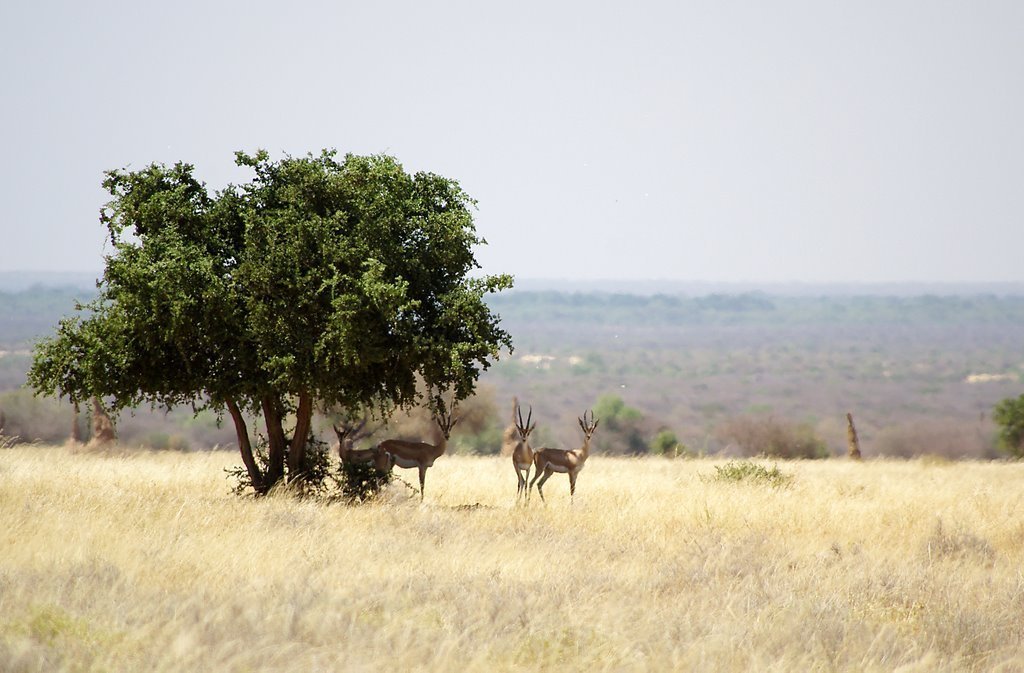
[(736, 471), (240, 476), (313, 482), (359, 482), (318, 468), (623, 430), (665, 443), (1009, 416)]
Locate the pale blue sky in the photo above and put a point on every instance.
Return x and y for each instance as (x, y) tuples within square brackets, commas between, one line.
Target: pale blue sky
[(721, 141)]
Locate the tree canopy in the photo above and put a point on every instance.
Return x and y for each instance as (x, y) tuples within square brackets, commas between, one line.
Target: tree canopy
[(319, 281)]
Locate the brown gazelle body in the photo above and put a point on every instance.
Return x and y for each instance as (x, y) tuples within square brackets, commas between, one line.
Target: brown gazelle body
[(522, 454), (348, 434), (548, 461), (420, 455)]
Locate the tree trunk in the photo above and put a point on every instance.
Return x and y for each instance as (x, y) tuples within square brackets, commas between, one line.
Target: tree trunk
[(76, 431), (297, 450), (852, 443), (278, 446), (245, 447), (102, 427)]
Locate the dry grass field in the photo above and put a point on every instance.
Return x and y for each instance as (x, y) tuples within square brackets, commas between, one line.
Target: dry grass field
[(143, 562)]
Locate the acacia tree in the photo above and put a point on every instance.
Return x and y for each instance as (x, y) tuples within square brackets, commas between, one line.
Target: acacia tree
[(319, 281)]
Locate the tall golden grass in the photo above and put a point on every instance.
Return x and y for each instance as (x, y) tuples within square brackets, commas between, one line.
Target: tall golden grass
[(143, 562)]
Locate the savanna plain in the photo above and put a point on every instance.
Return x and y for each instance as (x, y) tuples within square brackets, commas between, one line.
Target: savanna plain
[(134, 561)]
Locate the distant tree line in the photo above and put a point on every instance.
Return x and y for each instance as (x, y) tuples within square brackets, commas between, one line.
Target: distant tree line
[(756, 309), (33, 313)]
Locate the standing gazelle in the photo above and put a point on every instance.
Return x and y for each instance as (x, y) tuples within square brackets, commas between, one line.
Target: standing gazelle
[(348, 434), (569, 461), (420, 455), (522, 454)]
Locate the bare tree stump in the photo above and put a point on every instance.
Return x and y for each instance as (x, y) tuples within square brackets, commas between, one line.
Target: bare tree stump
[(852, 443), (102, 427)]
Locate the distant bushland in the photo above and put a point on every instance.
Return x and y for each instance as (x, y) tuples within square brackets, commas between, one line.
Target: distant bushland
[(922, 373)]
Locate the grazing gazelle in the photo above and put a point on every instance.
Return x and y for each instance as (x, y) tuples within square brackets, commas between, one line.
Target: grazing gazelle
[(420, 455), (570, 461), (522, 454), (348, 434)]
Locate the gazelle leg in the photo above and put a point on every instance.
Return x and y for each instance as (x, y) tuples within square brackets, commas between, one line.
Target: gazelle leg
[(572, 485), (540, 484), (423, 478), (536, 476)]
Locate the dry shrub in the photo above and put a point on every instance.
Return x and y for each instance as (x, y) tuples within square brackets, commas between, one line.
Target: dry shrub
[(746, 471), (942, 438), (767, 436)]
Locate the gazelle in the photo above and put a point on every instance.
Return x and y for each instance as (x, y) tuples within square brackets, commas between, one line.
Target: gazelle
[(569, 461), (348, 434), (522, 454), (420, 455)]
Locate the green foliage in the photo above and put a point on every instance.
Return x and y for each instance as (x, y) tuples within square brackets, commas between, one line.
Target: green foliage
[(612, 410), (751, 472), (316, 476), (1009, 416), (359, 482), (665, 443), (621, 428), (340, 282)]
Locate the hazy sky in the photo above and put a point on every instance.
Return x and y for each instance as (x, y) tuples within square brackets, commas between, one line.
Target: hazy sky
[(726, 141)]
